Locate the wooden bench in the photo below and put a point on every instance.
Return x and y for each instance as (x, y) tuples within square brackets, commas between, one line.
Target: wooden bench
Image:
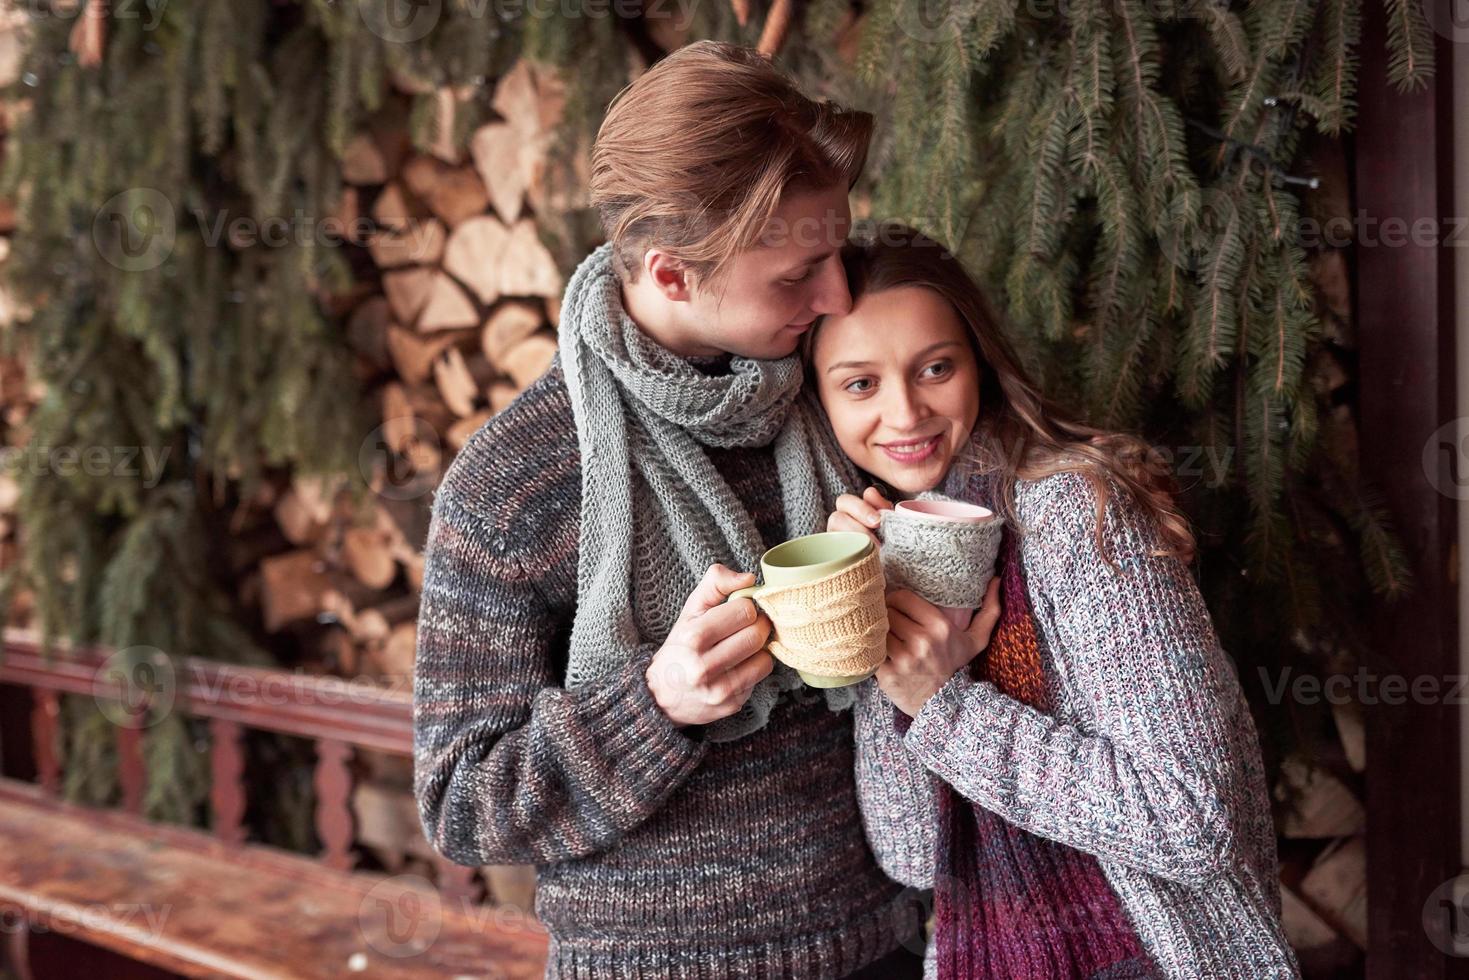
[(154, 900)]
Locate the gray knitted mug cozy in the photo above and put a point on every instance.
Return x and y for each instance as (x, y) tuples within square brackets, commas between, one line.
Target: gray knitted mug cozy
[(949, 563)]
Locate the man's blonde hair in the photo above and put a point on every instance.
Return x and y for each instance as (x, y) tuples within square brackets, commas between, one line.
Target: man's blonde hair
[(695, 156)]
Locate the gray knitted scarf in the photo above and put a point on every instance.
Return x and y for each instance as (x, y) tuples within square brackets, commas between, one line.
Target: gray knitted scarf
[(655, 513)]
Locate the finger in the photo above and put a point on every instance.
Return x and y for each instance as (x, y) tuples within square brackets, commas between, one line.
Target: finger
[(751, 671), (737, 647), (716, 585), (916, 608), (991, 608), (857, 508), (876, 500), (991, 604), (982, 628), (903, 626), (704, 632)]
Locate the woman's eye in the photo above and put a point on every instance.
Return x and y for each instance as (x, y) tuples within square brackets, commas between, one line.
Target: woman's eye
[(853, 386), (942, 368), (799, 279)]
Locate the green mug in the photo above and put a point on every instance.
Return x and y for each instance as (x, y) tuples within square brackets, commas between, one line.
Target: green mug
[(806, 559)]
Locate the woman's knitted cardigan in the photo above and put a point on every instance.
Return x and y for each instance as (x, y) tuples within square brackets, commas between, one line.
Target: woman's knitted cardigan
[(1148, 759)]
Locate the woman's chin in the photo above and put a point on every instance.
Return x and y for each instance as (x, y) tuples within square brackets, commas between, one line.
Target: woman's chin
[(910, 480)]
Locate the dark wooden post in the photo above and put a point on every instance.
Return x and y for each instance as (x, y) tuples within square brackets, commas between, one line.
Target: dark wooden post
[(1405, 315)]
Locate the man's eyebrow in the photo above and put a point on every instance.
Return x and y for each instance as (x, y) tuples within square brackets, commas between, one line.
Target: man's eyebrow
[(921, 354)]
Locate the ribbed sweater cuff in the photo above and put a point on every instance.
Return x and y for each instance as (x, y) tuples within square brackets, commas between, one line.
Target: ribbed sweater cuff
[(649, 750), (933, 727)]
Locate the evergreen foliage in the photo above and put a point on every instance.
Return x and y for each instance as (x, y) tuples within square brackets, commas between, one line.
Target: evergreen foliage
[(1117, 171)]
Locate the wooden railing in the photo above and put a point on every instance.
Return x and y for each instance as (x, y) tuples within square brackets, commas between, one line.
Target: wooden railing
[(339, 716)]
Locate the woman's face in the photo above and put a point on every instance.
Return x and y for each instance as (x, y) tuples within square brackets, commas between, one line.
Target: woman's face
[(898, 379)]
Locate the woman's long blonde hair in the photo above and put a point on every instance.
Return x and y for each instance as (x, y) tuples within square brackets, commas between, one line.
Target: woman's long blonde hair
[(1020, 433)]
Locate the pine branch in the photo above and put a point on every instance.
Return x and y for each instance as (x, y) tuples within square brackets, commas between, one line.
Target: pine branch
[(1409, 45)]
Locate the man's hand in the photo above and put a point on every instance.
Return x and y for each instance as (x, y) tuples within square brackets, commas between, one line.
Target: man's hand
[(925, 649), (714, 654)]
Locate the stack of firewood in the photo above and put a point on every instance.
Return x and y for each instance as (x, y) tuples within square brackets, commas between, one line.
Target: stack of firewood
[(452, 319), (458, 318)]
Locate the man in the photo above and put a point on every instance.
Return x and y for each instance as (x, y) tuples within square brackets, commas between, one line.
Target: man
[(585, 698)]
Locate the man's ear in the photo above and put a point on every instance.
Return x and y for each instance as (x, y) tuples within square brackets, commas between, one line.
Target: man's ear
[(670, 277)]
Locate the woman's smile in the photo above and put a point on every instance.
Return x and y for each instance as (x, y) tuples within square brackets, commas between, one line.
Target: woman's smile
[(912, 450)]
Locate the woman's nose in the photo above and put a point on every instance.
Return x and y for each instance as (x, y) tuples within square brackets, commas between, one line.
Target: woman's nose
[(903, 409)]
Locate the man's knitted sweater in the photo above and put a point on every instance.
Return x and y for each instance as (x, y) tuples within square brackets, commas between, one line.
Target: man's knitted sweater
[(658, 853), (1149, 759)]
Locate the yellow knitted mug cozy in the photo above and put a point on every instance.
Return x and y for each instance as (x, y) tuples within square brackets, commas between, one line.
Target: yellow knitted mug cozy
[(832, 629)]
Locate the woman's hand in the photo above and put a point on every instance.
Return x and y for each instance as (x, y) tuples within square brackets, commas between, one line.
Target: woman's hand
[(855, 513), (925, 649)]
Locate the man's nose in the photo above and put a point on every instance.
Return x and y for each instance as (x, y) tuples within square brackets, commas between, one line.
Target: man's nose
[(832, 294)]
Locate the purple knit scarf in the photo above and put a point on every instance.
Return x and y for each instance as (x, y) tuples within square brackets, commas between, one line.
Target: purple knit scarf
[(1008, 904)]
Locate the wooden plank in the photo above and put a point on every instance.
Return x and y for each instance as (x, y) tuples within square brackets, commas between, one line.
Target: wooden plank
[(178, 900), (1405, 317)]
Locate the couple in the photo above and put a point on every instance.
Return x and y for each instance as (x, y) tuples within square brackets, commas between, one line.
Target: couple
[(1087, 800)]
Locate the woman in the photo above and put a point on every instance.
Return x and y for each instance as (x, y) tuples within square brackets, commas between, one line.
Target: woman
[(1088, 800)]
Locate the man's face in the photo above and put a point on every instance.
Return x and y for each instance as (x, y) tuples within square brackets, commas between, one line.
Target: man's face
[(773, 293)]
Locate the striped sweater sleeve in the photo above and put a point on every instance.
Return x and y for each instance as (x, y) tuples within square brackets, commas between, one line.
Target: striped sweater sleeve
[(509, 767), (1147, 778)]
